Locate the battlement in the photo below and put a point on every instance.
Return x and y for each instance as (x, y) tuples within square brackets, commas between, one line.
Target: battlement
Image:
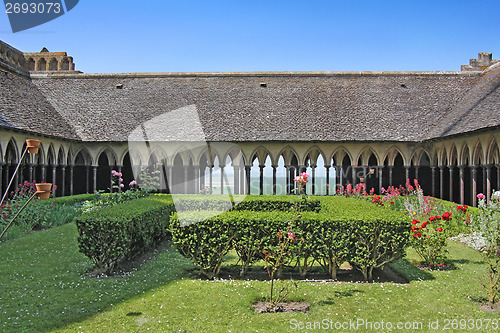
[(483, 61), (12, 60), (45, 60)]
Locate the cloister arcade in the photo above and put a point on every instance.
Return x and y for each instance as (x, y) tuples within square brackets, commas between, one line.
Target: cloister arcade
[(455, 169)]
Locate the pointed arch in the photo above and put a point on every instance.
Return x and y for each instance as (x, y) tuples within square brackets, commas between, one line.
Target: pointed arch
[(477, 154), (364, 156), (493, 153)]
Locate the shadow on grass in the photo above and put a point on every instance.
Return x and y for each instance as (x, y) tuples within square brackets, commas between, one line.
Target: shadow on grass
[(340, 294), (411, 273)]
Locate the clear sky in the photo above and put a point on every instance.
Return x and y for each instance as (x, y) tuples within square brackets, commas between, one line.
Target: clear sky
[(218, 35)]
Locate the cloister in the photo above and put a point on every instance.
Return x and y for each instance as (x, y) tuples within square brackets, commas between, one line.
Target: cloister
[(377, 128)]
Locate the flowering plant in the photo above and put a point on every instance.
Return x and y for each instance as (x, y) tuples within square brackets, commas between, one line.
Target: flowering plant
[(281, 255), (487, 223)]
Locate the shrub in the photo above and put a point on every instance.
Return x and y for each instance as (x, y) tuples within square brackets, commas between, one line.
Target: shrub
[(118, 232)]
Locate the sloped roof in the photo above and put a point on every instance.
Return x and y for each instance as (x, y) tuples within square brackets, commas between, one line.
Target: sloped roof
[(23, 107), (295, 106)]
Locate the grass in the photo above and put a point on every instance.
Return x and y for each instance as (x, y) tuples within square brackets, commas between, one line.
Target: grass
[(44, 288)]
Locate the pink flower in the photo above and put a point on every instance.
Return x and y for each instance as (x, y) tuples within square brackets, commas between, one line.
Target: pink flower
[(291, 235), (113, 172), (132, 183), (480, 196), (121, 179), (122, 186), (304, 175), (119, 174)]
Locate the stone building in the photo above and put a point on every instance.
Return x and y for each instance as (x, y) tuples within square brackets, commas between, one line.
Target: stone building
[(380, 128)]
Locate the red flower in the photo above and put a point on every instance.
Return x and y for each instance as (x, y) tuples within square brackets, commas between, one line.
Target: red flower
[(446, 216), (265, 252), (424, 224), (439, 229), (415, 222)]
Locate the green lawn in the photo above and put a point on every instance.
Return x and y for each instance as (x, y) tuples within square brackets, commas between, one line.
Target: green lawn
[(43, 287)]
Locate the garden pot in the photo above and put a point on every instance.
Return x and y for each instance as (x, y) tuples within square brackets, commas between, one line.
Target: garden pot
[(32, 145), (43, 190)]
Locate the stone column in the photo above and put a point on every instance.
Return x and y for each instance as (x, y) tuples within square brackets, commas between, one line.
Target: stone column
[(461, 169), (243, 186), (170, 180), (433, 177), (390, 167), (407, 172), (196, 179), (274, 179), (94, 177), (1, 177), (43, 168), (236, 171), (87, 177), (380, 178), (488, 181), (327, 167), (247, 175), (63, 180), (19, 175), (186, 176), (71, 181), (451, 168), (287, 189), (473, 184), (221, 166), (261, 179), (416, 172), (30, 170), (6, 175), (313, 176), (54, 175), (441, 182), (211, 170)]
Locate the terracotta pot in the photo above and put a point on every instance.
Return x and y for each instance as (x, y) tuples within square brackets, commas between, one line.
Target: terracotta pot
[(43, 190), (32, 145)]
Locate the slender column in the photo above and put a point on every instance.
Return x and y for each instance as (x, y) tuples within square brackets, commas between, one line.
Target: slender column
[(433, 181), (485, 180), (170, 180), (473, 184), (119, 169), (94, 177), (20, 174), (196, 179), (1, 178), (63, 180), (339, 175), (261, 179), (30, 170), (71, 180), (211, 177), (488, 181), (186, 182), (54, 175), (313, 168), (407, 172), (451, 169), (274, 179), (247, 171), (301, 168), (390, 167), (87, 178), (6, 175), (380, 178), (221, 166), (243, 185), (327, 167), (287, 189), (441, 181), (44, 172), (416, 172), (236, 171), (354, 178), (461, 169)]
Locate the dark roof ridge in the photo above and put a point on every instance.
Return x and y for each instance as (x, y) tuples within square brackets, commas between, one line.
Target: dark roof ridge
[(254, 74)]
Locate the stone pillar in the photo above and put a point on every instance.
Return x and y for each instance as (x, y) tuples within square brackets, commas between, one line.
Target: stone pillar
[(287, 189), (170, 172), (433, 180), (242, 180), (63, 180), (261, 179), (196, 179), (236, 171), (247, 176), (274, 179), (87, 177), (6, 175), (94, 177), (473, 184), (327, 167), (44, 172), (441, 182), (462, 183), (19, 175), (313, 176), (488, 181), (30, 170), (407, 172), (186, 176), (1, 177), (211, 170), (390, 167), (71, 180), (221, 166), (451, 168), (54, 175), (380, 178)]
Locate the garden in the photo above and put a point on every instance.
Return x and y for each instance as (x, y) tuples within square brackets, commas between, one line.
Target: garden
[(135, 261)]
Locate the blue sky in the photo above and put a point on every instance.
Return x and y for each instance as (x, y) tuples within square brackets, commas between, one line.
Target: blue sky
[(190, 36)]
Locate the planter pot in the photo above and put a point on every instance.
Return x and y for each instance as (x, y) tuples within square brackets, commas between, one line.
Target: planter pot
[(43, 190), (32, 145)]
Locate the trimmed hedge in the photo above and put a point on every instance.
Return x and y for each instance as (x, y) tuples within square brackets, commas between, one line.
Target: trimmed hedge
[(118, 232), (345, 229), (73, 199)]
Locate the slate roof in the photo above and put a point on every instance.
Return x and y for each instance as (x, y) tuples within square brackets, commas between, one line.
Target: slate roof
[(294, 106), (23, 107)]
